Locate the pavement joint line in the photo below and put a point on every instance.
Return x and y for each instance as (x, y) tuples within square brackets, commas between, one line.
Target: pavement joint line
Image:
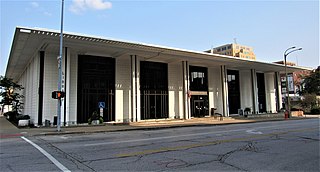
[(45, 153), (152, 151)]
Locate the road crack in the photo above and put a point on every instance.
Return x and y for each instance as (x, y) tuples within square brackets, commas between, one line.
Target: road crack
[(310, 139), (251, 147), (172, 163), (68, 156)]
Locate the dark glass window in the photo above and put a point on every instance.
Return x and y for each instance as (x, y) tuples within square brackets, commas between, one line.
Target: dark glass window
[(154, 76), (233, 91), (154, 90), (96, 83), (198, 78)]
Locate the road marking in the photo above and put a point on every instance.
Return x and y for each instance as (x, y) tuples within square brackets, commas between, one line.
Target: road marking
[(166, 149), (50, 157), (178, 136), (253, 132), (5, 136)]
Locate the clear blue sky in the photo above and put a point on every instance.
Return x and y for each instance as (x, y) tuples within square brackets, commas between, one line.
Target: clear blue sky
[(268, 26)]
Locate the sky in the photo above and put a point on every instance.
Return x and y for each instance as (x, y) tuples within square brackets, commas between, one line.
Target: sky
[(270, 27)]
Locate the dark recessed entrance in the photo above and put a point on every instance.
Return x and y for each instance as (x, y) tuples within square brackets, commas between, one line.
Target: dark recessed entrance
[(154, 90), (199, 91), (96, 83), (261, 92), (233, 91)]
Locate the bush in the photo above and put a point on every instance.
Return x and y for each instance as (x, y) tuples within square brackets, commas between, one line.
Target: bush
[(309, 101), (95, 116), (11, 116), (14, 117), (22, 117), (315, 111), (296, 109)]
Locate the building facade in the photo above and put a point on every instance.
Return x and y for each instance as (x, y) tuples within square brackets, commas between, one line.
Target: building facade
[(235, 50), (135, 81), (295, 79)]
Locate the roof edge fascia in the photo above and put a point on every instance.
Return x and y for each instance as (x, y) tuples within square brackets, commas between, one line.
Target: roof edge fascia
[(160, 47)]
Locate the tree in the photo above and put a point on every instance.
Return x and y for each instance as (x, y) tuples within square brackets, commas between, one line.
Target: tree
[(312, 83), (9, 93), (309, 102)]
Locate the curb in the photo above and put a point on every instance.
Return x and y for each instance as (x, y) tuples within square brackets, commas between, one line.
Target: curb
[(155, 127)]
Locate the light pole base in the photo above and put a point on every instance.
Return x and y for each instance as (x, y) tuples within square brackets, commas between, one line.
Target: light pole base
[(286, 114)]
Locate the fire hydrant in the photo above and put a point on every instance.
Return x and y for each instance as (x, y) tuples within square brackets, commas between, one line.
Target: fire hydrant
[(286, 114)]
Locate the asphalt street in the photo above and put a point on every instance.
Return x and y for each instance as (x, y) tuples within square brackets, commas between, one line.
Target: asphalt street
[(269, 146)]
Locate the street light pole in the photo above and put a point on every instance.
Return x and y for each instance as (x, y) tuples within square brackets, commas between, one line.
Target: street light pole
[(60, 71), (286, 53)]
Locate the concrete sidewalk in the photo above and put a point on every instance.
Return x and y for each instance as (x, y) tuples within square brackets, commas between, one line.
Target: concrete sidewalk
[(8, 130)]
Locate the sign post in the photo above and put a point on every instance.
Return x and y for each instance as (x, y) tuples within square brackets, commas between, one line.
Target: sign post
[(101, 105)]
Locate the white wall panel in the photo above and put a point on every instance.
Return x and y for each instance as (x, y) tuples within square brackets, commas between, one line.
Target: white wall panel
[(175, 85), (215, 90), (50, 84), (30, 81), (73, 87), (270, 92), (245, 89), (123, 86)]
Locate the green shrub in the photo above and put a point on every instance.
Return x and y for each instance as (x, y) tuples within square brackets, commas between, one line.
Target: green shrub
[(11, 116), (95, 116), (100, 120), (315, 111)]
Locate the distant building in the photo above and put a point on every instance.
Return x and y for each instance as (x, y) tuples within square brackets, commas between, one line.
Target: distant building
[(295, 79), (235, 50), (288, 63)]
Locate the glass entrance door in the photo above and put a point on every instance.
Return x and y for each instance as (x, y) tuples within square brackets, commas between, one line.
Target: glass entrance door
[(199, 106)]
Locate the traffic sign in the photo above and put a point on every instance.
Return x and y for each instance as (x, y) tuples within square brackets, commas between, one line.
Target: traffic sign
[(102, 104)]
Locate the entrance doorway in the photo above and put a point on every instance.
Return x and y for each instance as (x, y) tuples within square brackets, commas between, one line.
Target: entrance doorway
[(154, 90), (261, 93), (199, 106), (233, 91), (199, 91), (96, 83)]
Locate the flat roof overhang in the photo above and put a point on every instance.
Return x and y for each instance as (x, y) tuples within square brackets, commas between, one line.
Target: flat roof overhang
[(29, 41)]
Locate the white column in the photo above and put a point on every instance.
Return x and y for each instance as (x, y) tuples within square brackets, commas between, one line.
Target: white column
[(67, 88), (278, 88), (138, 104), (255, 107), (63, 87), (186, 99), (224, 91), (132, 116)]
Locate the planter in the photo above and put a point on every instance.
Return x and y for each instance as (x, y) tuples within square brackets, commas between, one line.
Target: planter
[(23, 122), (296, 113), (95, 122)]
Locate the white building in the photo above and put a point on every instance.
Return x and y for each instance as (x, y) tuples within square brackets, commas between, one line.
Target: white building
[(136, 81)]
